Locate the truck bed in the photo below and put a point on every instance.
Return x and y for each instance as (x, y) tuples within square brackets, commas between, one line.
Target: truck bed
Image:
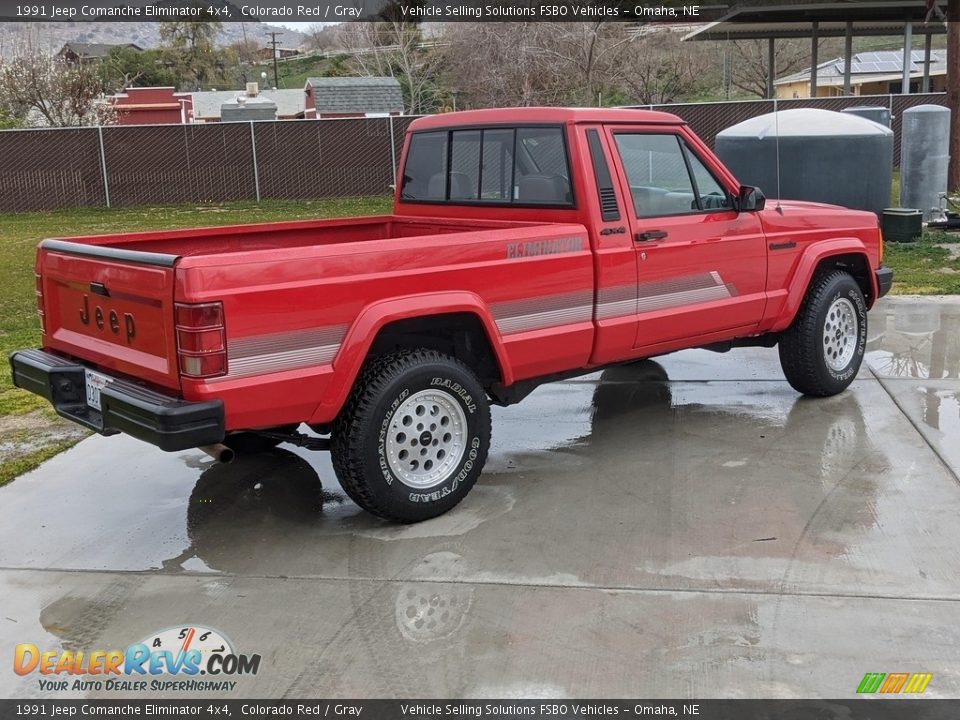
[(285, 235), (109, 300)]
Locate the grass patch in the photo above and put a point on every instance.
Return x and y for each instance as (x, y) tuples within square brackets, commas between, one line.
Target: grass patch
[(927, 267), (17, 466)]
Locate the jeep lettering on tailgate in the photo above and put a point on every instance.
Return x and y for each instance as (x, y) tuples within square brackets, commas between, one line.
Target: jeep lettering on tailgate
[(112, 320)]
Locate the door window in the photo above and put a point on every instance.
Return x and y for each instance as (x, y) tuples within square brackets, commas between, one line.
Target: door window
[(712, 195), (665, 178)]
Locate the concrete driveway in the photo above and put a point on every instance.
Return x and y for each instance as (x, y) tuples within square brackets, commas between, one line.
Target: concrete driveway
[(685, 527)]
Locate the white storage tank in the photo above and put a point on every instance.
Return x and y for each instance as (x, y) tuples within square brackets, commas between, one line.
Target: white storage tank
[(825, 156)]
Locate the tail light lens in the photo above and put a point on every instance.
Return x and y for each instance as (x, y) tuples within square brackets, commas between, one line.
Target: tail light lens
[(38, 281), (201, 339)]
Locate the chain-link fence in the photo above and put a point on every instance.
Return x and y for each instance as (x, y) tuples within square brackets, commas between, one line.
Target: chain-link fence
[(285, 159), (166, 164)]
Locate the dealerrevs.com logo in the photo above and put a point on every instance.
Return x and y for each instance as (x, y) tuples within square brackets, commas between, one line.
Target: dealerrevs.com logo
[(168, 661)]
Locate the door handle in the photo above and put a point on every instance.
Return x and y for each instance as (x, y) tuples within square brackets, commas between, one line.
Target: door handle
[(650, 235)]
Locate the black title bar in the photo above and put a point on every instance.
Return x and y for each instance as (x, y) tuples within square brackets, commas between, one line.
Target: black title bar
[(319, 11), (914, 708)]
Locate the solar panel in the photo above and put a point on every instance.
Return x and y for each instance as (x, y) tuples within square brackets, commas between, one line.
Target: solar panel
[(886, 62)]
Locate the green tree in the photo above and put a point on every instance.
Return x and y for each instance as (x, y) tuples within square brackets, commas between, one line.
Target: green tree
[(190, 48), (125, 67)]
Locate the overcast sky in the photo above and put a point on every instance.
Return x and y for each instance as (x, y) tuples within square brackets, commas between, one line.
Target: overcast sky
[(298, 26)]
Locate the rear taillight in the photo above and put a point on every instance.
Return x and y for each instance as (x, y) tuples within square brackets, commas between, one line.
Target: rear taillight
[(38, 280), (201, 340)]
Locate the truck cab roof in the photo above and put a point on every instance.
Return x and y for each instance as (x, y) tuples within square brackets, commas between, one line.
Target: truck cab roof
[(544, 115)]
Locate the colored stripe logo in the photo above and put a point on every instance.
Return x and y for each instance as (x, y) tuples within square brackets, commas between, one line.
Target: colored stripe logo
[(894, 683)]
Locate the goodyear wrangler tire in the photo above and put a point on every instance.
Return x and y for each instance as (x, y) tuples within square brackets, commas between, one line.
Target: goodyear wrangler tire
[(822, 350), (413, 437)]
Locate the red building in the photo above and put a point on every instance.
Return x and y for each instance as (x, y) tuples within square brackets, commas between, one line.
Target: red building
[(152, 106)]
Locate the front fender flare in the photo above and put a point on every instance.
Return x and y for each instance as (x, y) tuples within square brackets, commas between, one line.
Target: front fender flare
[(811, 258)]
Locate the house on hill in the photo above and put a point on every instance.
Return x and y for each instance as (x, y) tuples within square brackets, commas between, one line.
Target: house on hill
[(77, 52)]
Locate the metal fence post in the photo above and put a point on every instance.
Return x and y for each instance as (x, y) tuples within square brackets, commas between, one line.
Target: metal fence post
[(393, 150), (256, 171), (103, 166)]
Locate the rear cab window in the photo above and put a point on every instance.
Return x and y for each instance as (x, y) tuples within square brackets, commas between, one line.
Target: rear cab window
[(517, 166)]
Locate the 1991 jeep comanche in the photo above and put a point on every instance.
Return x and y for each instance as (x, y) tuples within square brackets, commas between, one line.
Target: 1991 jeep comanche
[(525, 245)]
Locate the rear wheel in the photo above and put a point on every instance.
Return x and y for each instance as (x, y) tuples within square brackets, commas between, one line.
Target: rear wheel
[(822, 350), (413, 437)]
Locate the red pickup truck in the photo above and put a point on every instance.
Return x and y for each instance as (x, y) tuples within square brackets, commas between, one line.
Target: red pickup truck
[(526, 245)]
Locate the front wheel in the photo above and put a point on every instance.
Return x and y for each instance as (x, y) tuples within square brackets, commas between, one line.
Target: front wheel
[(413, 437), (822, 350)]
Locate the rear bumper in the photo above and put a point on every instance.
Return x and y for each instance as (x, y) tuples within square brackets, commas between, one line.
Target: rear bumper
[(161, 420), (884, 280)]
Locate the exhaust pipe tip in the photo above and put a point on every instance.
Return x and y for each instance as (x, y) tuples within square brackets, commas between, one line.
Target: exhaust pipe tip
[(219, 452)]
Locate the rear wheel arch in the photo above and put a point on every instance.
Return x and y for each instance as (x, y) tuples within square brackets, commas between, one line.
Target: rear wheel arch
[(437, 321), (461, 335)]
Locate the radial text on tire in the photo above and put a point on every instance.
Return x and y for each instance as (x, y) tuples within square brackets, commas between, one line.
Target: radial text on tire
[(822, 350), (413, 437)]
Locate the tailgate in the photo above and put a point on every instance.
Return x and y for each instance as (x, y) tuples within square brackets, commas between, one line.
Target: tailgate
[(110, 307)]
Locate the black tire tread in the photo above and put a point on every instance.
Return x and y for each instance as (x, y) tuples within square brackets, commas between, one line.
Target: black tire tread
[(346, 451), (799, 345)]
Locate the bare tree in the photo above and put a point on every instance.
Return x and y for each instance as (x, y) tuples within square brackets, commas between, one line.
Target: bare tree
[(750, 62), (318, 37), (498, 64), (397, 49), (656, 69), (588, 55), (38, 89)]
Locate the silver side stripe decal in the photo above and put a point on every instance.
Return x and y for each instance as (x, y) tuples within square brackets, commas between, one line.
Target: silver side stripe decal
[(292, 350), (618, 301), (612, 302), (276, 352), (542, 312), (546, 319)]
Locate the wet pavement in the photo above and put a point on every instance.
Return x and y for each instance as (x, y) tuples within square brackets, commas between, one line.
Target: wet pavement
[(685, 527)]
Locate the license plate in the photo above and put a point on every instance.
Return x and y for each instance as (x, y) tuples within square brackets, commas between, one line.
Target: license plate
[(95, 382)]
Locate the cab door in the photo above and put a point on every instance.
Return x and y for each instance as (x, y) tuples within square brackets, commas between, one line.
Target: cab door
[(701, 265)]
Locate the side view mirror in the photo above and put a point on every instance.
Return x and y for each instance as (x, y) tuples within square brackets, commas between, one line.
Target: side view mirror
[(750, 198)]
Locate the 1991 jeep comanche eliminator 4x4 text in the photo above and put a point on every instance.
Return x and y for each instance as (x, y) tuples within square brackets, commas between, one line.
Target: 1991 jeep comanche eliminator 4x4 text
[(525, 245)]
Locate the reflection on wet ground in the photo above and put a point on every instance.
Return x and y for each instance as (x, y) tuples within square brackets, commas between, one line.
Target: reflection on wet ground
[(690, 517), (915, 338)]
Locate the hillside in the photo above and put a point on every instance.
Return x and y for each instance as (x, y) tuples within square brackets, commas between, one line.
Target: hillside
[(52, 35)]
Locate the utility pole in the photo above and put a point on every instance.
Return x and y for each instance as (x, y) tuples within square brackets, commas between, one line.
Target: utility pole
[(276, 73), (953, 91)]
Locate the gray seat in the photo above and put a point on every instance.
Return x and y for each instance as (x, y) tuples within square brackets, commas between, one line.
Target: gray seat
[(461, 188), (546, 189)]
